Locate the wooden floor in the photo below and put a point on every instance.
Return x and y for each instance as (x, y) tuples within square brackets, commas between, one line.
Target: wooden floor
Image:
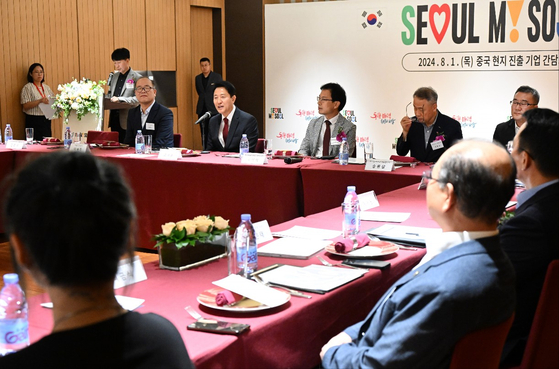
[(29, 286)]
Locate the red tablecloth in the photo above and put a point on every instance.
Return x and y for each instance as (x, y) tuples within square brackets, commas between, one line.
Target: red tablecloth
[(287, 336), (325, 185)]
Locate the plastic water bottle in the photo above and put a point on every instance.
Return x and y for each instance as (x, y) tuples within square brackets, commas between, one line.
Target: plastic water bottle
[(243, 260), (243, 147), (352, 213), (8, 133), (67, 138), (140, 143), (344, 152), (14, 326)]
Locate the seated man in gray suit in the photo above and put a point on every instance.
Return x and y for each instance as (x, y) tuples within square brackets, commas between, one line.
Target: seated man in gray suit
[(322, 134)]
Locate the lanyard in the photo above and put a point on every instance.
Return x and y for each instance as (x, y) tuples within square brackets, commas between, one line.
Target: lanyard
[(40, 93)]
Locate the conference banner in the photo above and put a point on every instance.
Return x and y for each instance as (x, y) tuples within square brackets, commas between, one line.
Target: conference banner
[(475, 54)]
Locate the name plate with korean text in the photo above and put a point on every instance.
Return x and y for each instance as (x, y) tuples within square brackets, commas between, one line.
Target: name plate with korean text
[(254, 158), (380, 165), (127, 274), (262, 231), (169, 154), (16, 144), (79, 147)]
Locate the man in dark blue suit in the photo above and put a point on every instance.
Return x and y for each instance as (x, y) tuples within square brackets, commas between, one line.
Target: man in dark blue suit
[(205, 85), (150, 117), (464, 282), (525, 98), (226, 129), (530, 238), (429, 134)]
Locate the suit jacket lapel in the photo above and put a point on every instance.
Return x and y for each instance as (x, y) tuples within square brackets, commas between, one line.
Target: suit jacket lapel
[(233, 126)]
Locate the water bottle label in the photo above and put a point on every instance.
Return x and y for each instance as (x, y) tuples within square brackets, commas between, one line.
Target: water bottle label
[(139, 148), (351, 220), (252, 255), (14, 331), (67, 142)]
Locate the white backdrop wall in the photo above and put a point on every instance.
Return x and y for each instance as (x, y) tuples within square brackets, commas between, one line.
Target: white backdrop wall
[(380, 52)]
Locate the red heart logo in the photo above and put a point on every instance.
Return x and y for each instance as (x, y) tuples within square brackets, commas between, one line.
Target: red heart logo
[(443, 9)]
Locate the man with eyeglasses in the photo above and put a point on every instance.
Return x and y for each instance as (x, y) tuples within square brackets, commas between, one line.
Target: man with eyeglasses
[(429, 133), (525, 98), (464, 283), (530, 237), (150, 117), (121, 90), (324, 134)]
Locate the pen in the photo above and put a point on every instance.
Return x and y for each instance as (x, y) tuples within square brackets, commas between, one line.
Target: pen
[(413, 234)]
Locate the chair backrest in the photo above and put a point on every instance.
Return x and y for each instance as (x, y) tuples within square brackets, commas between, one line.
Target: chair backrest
[(177, 139), (98, 137), (543, 342), (482, 348), (260, 145)]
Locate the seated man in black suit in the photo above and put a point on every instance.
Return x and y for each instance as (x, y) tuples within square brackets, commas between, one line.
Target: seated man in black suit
[(429, 133), (525, 98), (150, 117), (226, 129), (530, 238)]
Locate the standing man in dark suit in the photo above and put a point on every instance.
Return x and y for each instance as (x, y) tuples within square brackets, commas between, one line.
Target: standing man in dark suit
[(429, 133), (121, 89), (205, 85), (150, 117), (525, 98), (530, 238), (226, 129)]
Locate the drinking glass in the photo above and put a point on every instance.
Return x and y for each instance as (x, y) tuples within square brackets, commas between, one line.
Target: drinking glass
[(509, 146), (268, 148), (147, 144), (368, 148), (29, 132)]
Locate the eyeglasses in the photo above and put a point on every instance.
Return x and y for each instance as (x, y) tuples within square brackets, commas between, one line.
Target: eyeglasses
[(319, 99), (144, 89), (521, 103), (428, 175)]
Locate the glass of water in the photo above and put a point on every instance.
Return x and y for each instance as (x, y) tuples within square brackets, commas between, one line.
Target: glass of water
[(29, 132), (268, 148), (509, 146), (368, 148), (147, 144)]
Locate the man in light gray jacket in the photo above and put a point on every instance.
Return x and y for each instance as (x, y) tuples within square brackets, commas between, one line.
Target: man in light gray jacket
[(324, 134)]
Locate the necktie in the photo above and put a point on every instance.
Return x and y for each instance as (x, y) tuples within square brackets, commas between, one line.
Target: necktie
[(225, 129), (326, 140)]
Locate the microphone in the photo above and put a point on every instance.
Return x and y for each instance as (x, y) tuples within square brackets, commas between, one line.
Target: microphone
[(110, 78), (203, 117), (292, 160)]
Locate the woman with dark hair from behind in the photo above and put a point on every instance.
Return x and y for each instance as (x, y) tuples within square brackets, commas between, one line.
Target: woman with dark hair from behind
[(34, 93), (69, 218)]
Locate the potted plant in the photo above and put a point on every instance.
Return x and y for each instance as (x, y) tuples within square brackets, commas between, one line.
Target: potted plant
[(192, 242)]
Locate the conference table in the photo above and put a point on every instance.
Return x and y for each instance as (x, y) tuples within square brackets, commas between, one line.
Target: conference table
[(290, 335), (174, 190)]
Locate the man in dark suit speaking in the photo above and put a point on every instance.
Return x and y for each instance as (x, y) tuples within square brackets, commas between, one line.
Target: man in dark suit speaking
[(530, 238), (429, 133), (226, 129), (150, 117)]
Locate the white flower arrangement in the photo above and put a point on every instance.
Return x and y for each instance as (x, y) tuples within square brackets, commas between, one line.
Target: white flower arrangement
[(82, 96)]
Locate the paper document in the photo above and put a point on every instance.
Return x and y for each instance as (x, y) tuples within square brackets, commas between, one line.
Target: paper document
[(294, 248), (312, 278), (406, 235), (47, 109), (379, 216), (254, 291), (308, 233), (127, 303)]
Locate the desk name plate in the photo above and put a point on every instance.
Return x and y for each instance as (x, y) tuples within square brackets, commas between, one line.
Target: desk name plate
[(380, 165), (254, 158)]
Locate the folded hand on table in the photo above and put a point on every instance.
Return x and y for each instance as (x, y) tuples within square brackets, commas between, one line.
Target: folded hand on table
[(337, 340)]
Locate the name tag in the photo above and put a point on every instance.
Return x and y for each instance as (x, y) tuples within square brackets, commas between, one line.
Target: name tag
[(128, 85), (436, 145), (169, 154), (368, 200), (380, 165), (262, 231), (79, 147), (254, 158), (16, 144), (128, 274), (335, 142), (150, 126)]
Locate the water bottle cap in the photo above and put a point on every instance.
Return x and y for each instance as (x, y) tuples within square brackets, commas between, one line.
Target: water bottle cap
[(139, 131), (7, 125), (350, 188), (11, 278), (244, 134), (245, 216), (344, 138)]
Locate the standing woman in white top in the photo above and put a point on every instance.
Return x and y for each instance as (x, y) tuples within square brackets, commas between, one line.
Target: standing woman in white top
[(32, 94)]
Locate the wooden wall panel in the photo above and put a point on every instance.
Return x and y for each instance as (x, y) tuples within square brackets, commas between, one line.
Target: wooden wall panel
[(184, 73), (160, 36), (129, 24)]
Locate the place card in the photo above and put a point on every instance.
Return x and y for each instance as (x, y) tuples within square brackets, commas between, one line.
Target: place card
[(169, 154), (127, 274), (380, 165), (368, 200), (254, 158), (16, 144), (79, 147), (263, 232), (254, 291)]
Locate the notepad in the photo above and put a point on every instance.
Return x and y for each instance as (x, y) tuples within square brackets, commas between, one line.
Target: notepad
[(292, 248), (405, 235), (308, 233)]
